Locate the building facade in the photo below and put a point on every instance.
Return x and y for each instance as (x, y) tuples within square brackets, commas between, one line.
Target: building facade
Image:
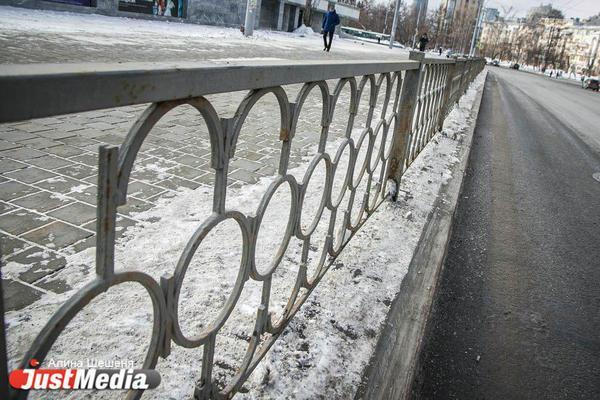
[(458, 19), (283, 15), (552, 43)]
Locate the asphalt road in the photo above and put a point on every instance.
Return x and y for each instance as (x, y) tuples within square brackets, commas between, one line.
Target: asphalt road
[(518, 310)]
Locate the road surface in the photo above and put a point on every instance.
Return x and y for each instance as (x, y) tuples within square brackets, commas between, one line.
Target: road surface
[(518, 311)]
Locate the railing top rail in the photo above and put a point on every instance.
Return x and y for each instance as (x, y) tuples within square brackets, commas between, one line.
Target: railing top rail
[(440, 60), (42, 90)]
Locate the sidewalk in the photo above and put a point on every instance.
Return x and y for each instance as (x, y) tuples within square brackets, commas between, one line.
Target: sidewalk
[(48, 166), (34, 36)]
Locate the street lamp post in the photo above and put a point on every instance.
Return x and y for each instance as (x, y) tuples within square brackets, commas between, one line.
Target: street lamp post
[(250, 16), (394, 23)]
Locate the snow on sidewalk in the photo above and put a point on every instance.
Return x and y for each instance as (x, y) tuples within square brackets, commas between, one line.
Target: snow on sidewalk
[(72, 37), (330, 340)]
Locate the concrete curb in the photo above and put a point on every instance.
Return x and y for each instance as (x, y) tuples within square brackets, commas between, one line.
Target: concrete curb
[(391, 369)]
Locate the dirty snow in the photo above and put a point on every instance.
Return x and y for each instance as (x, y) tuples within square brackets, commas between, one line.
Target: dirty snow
[(326, 346)]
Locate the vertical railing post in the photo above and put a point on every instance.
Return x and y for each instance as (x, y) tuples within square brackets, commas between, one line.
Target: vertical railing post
[(446, 97), (404, 121)]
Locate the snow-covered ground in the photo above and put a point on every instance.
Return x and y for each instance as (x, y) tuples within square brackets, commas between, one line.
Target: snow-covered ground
[(52, 36), (325, 348)]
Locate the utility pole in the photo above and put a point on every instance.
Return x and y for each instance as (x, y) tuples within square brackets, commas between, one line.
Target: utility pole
[(476, 30), (394, 23), (387, 10), (250, 16), (417, 26)]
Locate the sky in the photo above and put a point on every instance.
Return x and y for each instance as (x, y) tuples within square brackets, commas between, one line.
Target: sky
[(571, 8)]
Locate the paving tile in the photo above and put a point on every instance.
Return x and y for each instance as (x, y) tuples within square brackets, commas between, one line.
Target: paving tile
[(142, 190), (22, 154), (32, 127), (64, 151), (164, 152), (6, 207), (88, 194), (90, 159), (186, 172), (120, 229), (18, 295), (175, 183), (79, 141), (43, 262), (4, 145), (60, 184), (57, 235), (7, 165), (30, 175), (20, 221), (75, 213), (103, 126), (11, 245), (77, 171), (17, 135), (191, 161), (12, 190), (49, 162), (133, 206), (42, 201), (90, 133), (40, 143), (116, 140), (53, 284), (207, 179), (244, 176), (245, 164)]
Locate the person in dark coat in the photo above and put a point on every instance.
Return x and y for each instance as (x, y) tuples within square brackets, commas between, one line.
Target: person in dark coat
[(330, 21), (423, 42)]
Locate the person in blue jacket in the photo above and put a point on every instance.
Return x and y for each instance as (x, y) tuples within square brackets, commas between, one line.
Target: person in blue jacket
[(330, 21)]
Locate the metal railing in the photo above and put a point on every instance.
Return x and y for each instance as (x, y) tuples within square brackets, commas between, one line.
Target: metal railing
[(419, 93)]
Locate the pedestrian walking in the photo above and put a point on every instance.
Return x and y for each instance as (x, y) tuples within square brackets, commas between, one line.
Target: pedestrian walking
[(330, 21), (440, 50), (423, 40)]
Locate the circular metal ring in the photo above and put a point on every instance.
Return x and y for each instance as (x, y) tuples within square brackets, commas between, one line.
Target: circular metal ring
[(358, 171), (375, 153), (65, 314), (184, 261), (289, 231), (347, 144), (322, 157)]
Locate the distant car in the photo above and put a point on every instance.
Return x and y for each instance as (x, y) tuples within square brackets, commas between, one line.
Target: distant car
[(515, 66), (591, 83), (496, 63)]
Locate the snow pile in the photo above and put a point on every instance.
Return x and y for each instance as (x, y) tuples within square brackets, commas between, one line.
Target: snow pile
[(325, 348), (304, 30)]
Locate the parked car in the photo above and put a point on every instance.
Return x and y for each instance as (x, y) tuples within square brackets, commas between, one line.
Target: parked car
[(515, 66), (591, 83), (496, 63)]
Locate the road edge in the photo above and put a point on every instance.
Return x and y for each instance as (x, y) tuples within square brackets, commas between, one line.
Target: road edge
[(392, 367)]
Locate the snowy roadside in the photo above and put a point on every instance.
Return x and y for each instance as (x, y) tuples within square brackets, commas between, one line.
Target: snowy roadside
[(326, 346)]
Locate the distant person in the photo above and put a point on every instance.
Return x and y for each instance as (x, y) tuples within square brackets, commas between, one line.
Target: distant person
[(330, 21), (423, 42), (440, 50)]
